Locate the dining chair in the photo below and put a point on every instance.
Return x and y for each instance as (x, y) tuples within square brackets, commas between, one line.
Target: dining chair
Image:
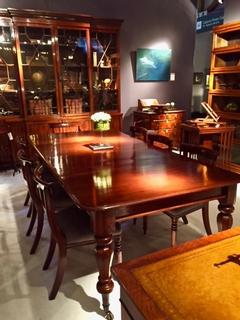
[(151, 137), (36, 210), (70, 227), (138, 132), (159, 141), (206, 157), (64, 127)]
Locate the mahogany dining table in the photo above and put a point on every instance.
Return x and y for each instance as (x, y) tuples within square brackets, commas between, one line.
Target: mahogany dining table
[(129, 180)]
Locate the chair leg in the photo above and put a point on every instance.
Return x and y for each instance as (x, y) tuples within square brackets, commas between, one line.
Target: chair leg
[(60, 273), (185, 219), (27, 199), (40, 220), (134, 220), (145, 224), (51, 249), (174, 231), (118, 248), (30, 210), (206, 222), (33, 215)]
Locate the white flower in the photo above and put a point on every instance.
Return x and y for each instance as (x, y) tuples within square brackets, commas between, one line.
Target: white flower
[(100, 116)]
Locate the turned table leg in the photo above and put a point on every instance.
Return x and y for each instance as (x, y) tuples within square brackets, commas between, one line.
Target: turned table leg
[(224, 218), (104, 255), (225, 207)]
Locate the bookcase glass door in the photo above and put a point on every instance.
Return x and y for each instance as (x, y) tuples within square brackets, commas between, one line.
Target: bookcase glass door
[(105, 61), (74, 71), (9, 81), (38, 70)]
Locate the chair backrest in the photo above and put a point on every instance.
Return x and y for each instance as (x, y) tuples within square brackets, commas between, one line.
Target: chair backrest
[(46, 184), (160, 141), (21, 155), (64, 127), (139, 132), (28, 166), (202, 154)]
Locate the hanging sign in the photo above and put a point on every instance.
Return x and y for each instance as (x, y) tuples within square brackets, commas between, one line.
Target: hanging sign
[(207, 20)]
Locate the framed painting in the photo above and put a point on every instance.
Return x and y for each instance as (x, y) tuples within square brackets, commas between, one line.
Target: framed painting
[(198, 78), (153, 64)]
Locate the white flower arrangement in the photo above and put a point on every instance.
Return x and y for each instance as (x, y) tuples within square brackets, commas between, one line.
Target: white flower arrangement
[(101, 116)]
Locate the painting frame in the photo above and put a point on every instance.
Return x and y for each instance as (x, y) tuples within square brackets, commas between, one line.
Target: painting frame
[(197, 77), (153, 64)]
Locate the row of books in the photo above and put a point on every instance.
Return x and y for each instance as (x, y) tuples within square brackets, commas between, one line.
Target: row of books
[(40, 107), (44, 106), (73, 105)]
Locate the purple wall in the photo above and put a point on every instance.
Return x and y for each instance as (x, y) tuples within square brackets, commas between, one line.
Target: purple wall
[(145, 23), (232, 11)]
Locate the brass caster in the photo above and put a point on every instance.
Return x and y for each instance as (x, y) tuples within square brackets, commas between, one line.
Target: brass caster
[(109, 315)]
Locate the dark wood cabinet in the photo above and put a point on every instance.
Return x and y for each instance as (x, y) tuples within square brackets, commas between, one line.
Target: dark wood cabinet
[(56, 68), (166, 123)]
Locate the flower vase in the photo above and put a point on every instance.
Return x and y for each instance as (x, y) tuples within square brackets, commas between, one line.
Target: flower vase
[(101, 122), (102, 126)]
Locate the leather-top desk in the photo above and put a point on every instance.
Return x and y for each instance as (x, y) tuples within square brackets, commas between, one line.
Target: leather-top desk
[(129, 180), (191, 133), (198, 280)]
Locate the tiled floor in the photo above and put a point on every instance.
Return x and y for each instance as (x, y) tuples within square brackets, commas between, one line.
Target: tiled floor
[(24, 286)]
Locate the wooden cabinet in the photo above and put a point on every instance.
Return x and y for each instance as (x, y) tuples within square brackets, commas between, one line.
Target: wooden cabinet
[(166, 123), (224, 85), (58, 67)]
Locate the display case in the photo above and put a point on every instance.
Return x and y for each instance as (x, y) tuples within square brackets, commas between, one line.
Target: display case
[(57, 68), (224, 86), (74, 79), (105, 61), (10, 101), (37, 69)]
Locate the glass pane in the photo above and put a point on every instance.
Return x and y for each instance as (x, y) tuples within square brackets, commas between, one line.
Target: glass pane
[(105, 62), (9, 85), (227, 81), (38, 70), (228, 59), (228, 39), (226, 104), (74, 70)]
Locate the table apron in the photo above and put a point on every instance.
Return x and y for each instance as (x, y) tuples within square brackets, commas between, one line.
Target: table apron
[(145, 208)]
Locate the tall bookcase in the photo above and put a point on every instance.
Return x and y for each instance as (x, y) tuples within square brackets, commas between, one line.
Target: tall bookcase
[(57, 67), (224, 85)]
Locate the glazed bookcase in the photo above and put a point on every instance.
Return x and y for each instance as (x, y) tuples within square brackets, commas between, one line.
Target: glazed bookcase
[(224, 85), (57, 67)]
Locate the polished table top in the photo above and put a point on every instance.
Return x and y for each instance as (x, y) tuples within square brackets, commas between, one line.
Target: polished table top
[(129, 180), (129, 174)]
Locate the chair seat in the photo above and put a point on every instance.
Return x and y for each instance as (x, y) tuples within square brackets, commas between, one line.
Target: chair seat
[(77, 226)]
